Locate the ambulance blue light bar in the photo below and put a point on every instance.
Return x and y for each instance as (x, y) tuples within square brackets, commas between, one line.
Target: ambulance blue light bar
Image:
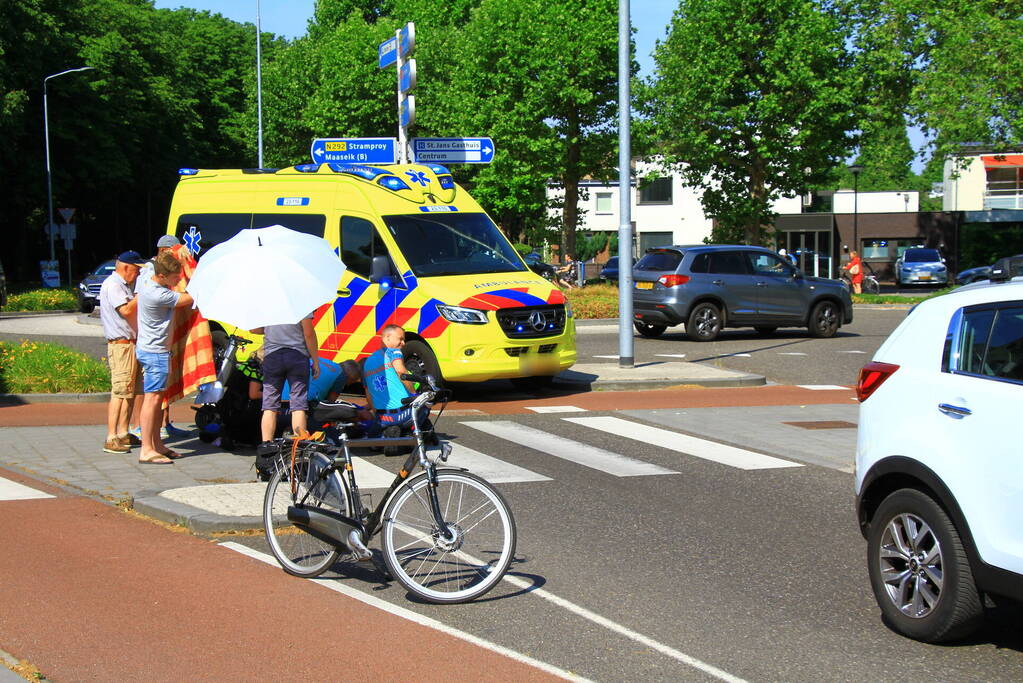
[(438, 169), (393, 182), (446, 182), (364, 172), (307, 168), (187, 171)]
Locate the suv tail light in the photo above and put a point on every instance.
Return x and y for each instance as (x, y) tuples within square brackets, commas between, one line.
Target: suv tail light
[(873, 375), (673, 280)]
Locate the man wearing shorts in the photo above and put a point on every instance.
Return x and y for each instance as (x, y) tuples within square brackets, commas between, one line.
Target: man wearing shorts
[(287, 351), (117, 309), (155, 310)]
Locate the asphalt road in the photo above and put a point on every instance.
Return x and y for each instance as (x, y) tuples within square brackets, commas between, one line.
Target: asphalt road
[(788, 356), (722, 572)]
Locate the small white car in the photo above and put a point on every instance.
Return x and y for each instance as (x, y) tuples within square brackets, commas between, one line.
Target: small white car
[(939, 461), (920, 266)]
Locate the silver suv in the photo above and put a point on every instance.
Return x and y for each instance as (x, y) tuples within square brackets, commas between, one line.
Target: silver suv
[(710, 287)]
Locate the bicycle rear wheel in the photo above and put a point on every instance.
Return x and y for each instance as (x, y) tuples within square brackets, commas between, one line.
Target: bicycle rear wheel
[(871, 285), (450, 565), (297, 551)]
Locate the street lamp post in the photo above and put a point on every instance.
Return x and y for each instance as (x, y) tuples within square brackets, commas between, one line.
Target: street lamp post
[(49, 176), (856, 169)]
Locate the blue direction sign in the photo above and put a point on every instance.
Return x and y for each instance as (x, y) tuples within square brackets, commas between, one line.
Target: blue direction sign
[(453, 150), (407, 76), (354, 150), (408, 111), (387, 52), (407, 36)]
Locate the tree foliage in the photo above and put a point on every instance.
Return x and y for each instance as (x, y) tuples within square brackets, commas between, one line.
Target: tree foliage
[(752, 103)]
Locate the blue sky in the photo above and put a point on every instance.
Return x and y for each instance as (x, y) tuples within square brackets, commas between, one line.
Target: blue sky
[(288, 18)]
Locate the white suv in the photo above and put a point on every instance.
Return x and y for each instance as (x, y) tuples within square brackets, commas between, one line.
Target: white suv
[(939, 461)]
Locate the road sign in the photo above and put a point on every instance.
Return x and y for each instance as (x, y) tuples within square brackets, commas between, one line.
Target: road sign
[(407, 38), (407, 78), (387, 52), (354, 150), (408, 111), (67, 214), (453, 150)]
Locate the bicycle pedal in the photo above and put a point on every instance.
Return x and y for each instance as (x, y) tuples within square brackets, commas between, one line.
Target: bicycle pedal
[(358, 548)]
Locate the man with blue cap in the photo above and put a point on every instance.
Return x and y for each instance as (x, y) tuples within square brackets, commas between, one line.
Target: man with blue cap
[(117, 312)]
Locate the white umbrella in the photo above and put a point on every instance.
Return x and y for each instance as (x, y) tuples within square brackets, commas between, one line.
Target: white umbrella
[(265, 276)]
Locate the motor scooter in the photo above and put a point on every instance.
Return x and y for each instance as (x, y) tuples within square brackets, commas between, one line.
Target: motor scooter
[(223, 408)]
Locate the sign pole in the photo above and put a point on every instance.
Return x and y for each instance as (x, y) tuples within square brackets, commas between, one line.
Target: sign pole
[(626, 358), (402, 130)]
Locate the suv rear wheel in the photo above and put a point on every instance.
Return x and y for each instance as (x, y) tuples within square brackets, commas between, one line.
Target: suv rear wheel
[(919, 570), (824, 319), (648, 330), (704, 322)]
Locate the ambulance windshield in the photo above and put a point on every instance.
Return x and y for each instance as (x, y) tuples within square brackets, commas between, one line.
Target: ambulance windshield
[(437, 244)]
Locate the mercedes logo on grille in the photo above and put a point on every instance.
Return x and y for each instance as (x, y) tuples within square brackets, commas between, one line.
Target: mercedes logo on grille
[(537, 320)]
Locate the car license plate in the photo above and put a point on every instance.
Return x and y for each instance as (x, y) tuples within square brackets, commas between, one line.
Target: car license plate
[(923, 276), (644, 285)]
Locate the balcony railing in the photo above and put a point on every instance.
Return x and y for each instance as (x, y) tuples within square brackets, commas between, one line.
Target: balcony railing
[(1003, 194)]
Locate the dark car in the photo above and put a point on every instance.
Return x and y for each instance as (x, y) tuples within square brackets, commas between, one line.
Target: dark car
[(973, 275), (610, 270), (537, 265), (710, 287), (88, 289)]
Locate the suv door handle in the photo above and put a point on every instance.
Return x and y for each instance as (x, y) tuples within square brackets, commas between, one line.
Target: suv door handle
[(761, 284), (717, 282), (950, 409)]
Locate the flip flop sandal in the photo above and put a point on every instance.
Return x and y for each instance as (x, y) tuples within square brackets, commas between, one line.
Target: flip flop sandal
[(157, 461), (173, 455)]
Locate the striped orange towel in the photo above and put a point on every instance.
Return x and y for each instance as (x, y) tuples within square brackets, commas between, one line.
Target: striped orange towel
[(191, 346)]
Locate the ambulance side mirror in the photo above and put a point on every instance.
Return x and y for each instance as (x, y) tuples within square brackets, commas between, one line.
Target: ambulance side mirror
[(380, 270)]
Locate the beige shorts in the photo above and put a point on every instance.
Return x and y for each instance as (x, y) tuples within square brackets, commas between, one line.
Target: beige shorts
[(125, 378)]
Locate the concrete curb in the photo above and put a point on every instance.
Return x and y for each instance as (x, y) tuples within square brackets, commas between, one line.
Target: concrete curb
[(642, 384), (19, 399), (199, 522)]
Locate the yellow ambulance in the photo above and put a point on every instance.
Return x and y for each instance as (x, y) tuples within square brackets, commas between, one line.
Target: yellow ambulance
[(420, 253)]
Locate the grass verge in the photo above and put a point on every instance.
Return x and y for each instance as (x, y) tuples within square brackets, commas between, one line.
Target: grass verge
[(42, 368), (42, 300)]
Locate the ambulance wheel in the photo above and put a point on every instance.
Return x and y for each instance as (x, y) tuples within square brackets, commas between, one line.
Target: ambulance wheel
[(419, 359)]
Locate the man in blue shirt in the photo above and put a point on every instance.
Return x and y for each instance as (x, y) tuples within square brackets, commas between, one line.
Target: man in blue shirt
[(381, 375)]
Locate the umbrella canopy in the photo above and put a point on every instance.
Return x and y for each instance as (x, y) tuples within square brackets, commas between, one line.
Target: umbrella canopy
[(266, 276)]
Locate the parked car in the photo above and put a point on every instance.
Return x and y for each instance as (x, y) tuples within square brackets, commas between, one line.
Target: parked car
[(939, 478), (919, 265), (1007, 267), (88, 288), (537, 265), (610, 270), (973, 275), (710, 287)]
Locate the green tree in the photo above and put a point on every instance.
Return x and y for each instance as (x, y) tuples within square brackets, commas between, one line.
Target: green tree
[(540, 78), (753, 101)]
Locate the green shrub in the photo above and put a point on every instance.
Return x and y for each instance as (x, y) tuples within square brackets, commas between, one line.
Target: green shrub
[(42, 368), (43, 300), (594, 301)]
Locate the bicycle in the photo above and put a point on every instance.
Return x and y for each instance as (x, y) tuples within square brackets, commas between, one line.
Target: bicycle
[(447, 535), (869, 285)]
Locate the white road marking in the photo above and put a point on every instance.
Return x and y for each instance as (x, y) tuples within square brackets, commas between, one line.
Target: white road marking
[(822, 387), (556, 409), (409, 615), (682, 443), (371, 476), (791, 353), (670, 355), (12, 490), (493, 470), (852, 352), (583, 454), (740, 355), (611, 357)]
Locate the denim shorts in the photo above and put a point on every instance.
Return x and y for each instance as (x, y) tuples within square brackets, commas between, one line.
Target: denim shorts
[(155, 367)]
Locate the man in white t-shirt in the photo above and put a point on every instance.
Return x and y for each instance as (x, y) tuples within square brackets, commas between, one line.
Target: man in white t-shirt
[(155, 310)]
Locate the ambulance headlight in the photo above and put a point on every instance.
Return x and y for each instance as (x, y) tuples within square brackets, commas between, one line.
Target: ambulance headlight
[(466, 316)]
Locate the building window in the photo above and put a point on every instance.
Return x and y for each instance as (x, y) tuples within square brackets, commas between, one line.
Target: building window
[(656, 191), (603, 202), (886, 249)]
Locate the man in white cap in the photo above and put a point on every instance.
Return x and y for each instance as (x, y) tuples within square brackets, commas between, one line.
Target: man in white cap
[(165, 243)]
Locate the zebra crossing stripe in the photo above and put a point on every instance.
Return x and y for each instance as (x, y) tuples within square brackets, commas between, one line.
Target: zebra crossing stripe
[(583, 454), (556, 409), (371, 476), (682, 443), (12, 490), (822, 387), (493, 470)]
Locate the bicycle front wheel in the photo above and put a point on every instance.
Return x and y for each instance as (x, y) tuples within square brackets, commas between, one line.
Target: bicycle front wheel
[(454, 564), (297, 551), (871, 286)]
